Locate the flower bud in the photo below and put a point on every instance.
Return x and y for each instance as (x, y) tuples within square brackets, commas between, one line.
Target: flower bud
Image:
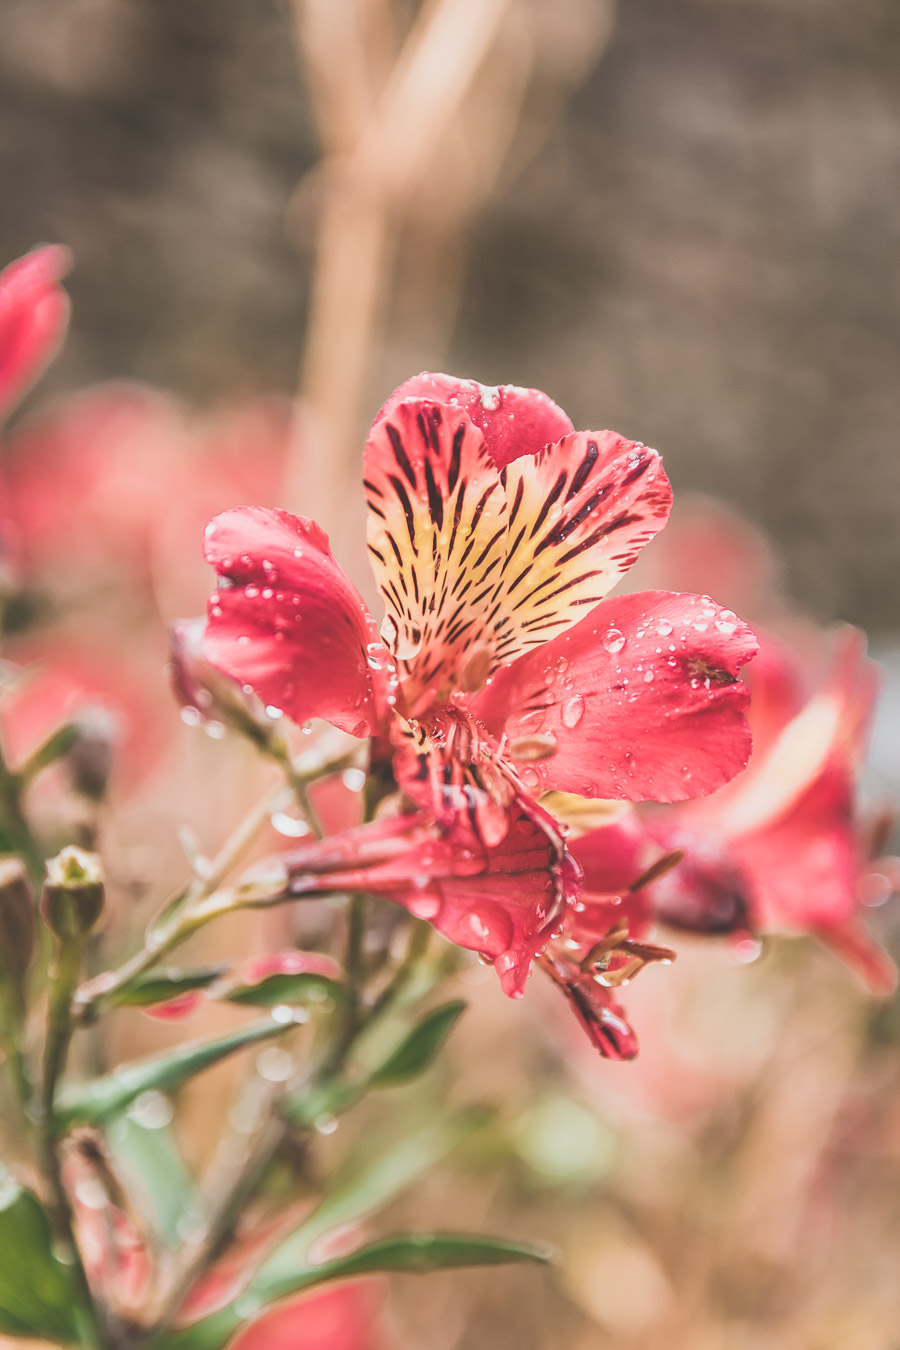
[(72, 901), (90, 760), (206, 694), (17, 932)]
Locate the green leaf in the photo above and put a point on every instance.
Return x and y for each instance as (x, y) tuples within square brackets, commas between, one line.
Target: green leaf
[(366, 1188), (163, 985), (306, 987), (155, 1176), (412, 1254), (323, 1100), (420, 1047), (369, 1185), (415, 1254), (37, 1292), (99, 1101)]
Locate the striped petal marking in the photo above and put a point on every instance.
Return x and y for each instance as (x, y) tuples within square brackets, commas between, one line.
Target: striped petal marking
[(478, 564)]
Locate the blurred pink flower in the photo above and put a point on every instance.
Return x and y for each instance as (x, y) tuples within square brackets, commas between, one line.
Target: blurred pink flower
[(344, 1317), (145, 477), (782, 848), (60, 681), (34, 312)]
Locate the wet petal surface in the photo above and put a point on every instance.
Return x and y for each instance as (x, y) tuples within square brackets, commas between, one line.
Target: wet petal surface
[(512, 420), (642, 699), (287, 621)]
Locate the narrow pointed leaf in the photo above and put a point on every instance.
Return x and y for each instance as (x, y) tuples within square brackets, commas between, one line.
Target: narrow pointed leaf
[(96, 1102), (415, 1254), (420, 1047), (37, 1292), (307, 987), (412, 1254), (332, 1098), (155, 1175), (373, 1183), (163, 985)]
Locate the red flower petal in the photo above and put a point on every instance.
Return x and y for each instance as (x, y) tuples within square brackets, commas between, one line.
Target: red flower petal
[(614, 854), (176, 1008), (502, 901), (513, 421), (781, 847), (292, 962), (642, 699), (289, 622), (600, 1014), (34, 311)]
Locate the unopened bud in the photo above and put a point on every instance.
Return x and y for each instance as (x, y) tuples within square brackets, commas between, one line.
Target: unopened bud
[(206, 694), (90, 760), (17, 931), (72, 901)]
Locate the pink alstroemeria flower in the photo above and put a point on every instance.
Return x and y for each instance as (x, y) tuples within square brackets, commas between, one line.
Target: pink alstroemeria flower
[(34, 312), (495, 532), (782, 849)]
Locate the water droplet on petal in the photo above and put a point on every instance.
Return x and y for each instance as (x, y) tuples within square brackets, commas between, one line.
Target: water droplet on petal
[(91, 1193), (572, 711), (527, 749), (425, 907), (727, 621), (746, 950), (613, 640), (648, 677), (664, 628), (190, 716), (289, 825)]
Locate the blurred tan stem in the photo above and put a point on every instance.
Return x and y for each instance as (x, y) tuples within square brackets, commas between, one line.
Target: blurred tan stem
[(379, 145)]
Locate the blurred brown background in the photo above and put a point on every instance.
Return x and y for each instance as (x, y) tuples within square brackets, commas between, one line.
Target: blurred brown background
[(700, 247)]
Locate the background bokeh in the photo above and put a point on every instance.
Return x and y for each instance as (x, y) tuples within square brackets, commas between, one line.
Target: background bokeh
[(681, 220), (698, 244)]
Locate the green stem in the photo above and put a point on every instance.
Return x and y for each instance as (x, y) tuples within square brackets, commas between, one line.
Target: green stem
[(419, 938), (202, 901), (63, 981), (12, 1021), (12, 818), (226, 1213)]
